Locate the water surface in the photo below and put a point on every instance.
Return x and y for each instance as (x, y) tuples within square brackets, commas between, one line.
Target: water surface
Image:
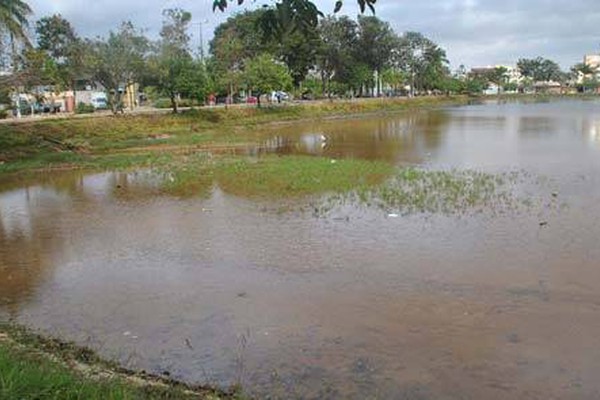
[(355, 304)]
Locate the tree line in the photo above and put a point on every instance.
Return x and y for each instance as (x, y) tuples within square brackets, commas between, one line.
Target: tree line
[(289, 45)]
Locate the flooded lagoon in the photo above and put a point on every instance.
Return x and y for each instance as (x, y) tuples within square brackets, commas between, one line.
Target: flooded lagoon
[(357, 302)]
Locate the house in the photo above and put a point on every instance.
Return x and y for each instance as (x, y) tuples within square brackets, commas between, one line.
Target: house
[(512, 76), (592, 61)]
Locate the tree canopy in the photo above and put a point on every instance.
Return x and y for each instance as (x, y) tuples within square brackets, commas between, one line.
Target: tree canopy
[(540, 69)]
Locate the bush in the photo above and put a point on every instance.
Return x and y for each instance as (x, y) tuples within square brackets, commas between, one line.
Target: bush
[(166, 103), (3, 113), (83, 108)]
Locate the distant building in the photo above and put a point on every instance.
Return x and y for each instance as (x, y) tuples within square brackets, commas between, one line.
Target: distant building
[(513, 76), (592, 60)]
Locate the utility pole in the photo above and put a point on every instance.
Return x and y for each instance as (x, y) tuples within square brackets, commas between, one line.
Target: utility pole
[(201, 37)]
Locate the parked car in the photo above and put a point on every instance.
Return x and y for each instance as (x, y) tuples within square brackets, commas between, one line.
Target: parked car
[(24, 107), (279, 96), (99, 101)]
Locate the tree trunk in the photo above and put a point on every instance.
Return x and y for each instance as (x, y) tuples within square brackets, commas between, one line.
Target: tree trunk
[(174, 103)]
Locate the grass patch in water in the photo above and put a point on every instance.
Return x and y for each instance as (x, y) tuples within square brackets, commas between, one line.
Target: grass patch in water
[(295, 176), (189, 176), (414, 190)]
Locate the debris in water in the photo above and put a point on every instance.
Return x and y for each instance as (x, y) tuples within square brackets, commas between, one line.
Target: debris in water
[(189, 344), (393, 215), (543, 223), (126, 333), (513, 338)]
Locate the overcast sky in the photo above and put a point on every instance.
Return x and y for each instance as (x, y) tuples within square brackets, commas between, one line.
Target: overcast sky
[(473, 32)]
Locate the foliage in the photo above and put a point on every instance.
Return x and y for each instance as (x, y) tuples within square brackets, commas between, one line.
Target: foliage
[(540, 70), (57, 38), (394, 78), (375, 42), (336, 52), (118, 60), (263, 75), (363, 4), (172, 66), (242, 37), (300, 15), (13, 19), (13, 29), (55, 35), (424, 61), (35, 69), (83, 108)]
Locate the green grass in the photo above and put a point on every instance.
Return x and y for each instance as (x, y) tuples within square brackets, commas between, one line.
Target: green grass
[(292, 176), (26, 376), (271, 177), (33, 367), (29, 145), (373, 184)]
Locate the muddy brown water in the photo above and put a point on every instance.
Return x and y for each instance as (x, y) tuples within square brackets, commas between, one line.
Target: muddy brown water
[(355, 304)]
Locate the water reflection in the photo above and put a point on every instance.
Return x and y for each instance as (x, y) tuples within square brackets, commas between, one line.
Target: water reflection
[(28, 220), (591, 128), (400, 139)]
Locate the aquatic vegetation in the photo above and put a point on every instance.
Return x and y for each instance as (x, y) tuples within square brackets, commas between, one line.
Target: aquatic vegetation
[(331, 183), (294, 176), (191, 175), (414, 190)]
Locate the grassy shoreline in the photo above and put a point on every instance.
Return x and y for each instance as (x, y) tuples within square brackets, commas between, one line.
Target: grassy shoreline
[(126, 141), (33, 366), (134, 140)]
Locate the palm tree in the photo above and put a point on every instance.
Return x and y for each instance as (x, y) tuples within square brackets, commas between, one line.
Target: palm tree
[(13, 21), (13, 18), (584, 69)]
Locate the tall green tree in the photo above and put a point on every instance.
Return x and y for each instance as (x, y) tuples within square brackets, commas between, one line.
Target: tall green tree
[(176, 71), (263, 75), (303, 11), (118, 60), (57, 38), (376, 39), (243, 37), (55, 35), (423, 60), (540, 69), (287, 16), (336, 53)]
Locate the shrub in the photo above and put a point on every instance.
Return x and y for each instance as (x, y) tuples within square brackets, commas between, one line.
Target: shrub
[(83, 108)]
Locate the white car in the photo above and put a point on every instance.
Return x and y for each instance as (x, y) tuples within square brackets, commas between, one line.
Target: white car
[(99, 102), (279, 96)]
